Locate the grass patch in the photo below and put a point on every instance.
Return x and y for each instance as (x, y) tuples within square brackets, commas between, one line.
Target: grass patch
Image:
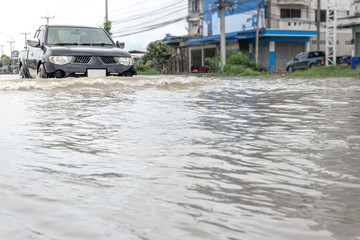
[(148, 72), (322, 71)]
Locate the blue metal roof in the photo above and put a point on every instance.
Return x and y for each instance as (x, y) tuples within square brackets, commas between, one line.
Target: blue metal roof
[(208, 39), (263, 33)]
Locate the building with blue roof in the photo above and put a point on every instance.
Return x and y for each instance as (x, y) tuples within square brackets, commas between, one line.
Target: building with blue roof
[(286, 29)]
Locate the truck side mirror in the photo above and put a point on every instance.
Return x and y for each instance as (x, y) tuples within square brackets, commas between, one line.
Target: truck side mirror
[(120, 44), (33, 42)]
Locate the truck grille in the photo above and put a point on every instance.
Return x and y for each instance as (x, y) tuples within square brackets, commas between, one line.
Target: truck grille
[(82, 59), (108, 60)]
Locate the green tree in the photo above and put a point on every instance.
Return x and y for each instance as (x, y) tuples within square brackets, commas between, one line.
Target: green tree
[(15, 52), (158, 53), (5, 59), (107, 27)]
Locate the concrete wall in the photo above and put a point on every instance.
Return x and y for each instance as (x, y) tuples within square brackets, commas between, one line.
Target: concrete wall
[(343, 47), (307, 20)]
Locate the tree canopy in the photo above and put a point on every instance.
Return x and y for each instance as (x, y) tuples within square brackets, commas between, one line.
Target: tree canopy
[(107, 27), (5, 59), (158, 53)]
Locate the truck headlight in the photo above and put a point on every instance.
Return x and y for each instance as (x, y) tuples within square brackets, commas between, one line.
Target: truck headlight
[(127, 61), (60, 60)]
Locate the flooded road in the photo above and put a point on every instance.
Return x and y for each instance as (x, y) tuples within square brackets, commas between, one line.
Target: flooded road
[(174, 157)]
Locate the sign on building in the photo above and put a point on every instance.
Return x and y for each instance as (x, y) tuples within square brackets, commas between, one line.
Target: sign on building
[(238, 18)]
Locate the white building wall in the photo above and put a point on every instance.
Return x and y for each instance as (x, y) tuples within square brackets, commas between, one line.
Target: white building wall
[(307, 21)]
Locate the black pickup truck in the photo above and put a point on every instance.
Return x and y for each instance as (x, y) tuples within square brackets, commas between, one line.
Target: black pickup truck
[(306, 60), (74, 51)]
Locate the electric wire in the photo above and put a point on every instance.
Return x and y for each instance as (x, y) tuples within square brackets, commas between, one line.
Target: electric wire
[(153, 18)]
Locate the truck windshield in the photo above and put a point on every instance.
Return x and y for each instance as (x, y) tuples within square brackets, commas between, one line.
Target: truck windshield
[(77, 36)]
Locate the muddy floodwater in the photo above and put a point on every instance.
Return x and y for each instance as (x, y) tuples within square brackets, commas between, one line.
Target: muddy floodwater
[(179, 157)]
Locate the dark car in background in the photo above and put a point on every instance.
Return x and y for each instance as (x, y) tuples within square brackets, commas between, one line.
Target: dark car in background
[(306, 60), (74, 51)]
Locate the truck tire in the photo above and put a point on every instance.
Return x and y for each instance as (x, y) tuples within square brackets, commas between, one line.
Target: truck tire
[(22, 72), (290, 69), (41, 72)]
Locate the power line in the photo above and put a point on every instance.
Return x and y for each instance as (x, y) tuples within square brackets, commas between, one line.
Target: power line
[(159, 17), (149, 28), (164, 16), (149, 13)]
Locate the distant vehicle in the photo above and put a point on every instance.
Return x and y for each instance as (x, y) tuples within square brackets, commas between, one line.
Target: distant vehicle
[(346, 59), (306, 60), (72, 51), (136, 57)]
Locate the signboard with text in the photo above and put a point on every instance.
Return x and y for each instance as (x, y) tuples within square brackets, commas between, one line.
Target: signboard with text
[(241, 16)]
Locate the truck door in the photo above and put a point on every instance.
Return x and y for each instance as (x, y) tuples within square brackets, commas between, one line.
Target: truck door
[(298, 60), (34, 54), (304, 60)]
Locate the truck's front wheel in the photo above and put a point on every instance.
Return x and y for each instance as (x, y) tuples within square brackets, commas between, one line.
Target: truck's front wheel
[(290, 69), (41, 72), (22, 72)]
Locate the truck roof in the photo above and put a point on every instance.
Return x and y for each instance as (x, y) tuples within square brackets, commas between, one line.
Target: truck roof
[(72, 26)]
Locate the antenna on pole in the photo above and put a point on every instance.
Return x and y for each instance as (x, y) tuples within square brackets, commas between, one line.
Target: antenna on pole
[(331, 23)]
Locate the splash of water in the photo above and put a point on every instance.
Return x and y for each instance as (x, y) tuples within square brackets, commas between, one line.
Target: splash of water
[(14, 83)]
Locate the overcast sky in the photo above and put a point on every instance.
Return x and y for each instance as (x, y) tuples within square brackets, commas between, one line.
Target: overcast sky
[(20, 16)]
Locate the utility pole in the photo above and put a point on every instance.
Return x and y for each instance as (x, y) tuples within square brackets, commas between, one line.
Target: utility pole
[(257, 33), (222, 34), (318, 15), (221, 4), (106, 11), (2, 49), (25, 33), (11, 47), (47, 19)]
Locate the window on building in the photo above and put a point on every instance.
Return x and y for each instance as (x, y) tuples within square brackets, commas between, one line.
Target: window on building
[(195, 6), (290, 13), (266, 11), (322, 15)]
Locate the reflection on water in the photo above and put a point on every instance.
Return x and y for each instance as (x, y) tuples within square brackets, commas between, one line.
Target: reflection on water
[(175, 157)]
